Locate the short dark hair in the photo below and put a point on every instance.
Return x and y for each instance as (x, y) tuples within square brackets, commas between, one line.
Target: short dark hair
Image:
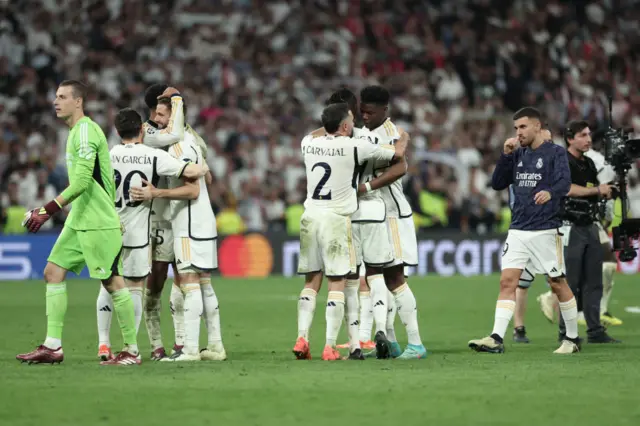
[(78, 89), (344, 95), (128, 123), (573, 128), (528, 112), (376, 95), (152, 93), (333, 115)]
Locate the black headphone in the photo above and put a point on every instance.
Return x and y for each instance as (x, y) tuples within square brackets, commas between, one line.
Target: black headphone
[(568, 134)]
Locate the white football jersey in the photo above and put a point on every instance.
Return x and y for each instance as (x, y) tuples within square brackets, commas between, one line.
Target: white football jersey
[(332, 164), (131, 164), (191, 218), (370, 204), (393, 195), (606, 173)]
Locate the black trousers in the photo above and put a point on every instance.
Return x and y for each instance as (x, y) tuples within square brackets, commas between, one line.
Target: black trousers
[(583, 257)]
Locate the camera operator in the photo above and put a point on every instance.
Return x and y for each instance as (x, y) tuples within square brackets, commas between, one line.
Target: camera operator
[(583, 252)]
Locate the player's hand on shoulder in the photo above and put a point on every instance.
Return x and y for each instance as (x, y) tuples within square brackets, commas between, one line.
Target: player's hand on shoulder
[(510, 145), (546, 134), (142, 193), (542, 197), (168, 92)]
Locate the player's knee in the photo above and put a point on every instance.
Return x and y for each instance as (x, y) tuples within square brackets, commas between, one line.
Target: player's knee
[(337, 283), (394, 277), (363, 284), (508, 283), (53, 274), (313, 281)]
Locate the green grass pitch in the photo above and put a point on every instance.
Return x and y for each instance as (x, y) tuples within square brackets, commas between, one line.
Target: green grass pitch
[(261, 384)]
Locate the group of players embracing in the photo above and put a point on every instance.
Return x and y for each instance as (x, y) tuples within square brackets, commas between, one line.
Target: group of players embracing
[(162, 215), (356, 222)]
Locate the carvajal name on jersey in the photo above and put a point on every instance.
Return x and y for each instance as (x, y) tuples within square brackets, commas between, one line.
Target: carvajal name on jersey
[(325, 152), (131, 159)]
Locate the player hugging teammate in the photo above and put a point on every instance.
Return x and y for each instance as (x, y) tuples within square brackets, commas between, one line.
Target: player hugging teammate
[(184, 234), (375, 236)]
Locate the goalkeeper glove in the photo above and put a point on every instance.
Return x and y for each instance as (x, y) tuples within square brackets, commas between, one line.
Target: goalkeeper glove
[(37, 217)]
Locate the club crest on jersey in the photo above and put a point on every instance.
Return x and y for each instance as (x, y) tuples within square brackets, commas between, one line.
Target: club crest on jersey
[(539, 164)]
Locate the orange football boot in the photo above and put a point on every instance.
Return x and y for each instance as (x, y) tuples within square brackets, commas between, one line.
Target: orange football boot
[(301, 349), (330, 354)]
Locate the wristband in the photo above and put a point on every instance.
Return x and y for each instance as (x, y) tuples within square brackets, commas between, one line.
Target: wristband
[(52, 207), (368, 186)]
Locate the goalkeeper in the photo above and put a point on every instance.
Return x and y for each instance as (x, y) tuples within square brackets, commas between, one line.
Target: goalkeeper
[(92, 234)]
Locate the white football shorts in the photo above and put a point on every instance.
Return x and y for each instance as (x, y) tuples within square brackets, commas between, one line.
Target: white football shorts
[(136, 262), (540, 252), (372, 244), (402, 232), (161, 241), (326, 244), (194, 256)]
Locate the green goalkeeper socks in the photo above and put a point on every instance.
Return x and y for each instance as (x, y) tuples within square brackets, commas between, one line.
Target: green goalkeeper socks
[(123, 305), (56, 309)]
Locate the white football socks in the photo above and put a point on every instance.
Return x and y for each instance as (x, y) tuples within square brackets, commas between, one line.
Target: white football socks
[(177, 313), (503, 315), (366, 316), (569, 311), (152, 309), (391, 317), (192, 312), (608, 270), (104, 306), (211, 314), (352, 308), (379, 294), (306, 308), (334, 315), (408, 313)]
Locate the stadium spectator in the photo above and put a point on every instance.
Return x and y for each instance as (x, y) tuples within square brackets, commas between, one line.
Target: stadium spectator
[(256, 74)]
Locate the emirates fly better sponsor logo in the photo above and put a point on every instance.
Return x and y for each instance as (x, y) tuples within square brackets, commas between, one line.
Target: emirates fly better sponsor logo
[(529, 180)]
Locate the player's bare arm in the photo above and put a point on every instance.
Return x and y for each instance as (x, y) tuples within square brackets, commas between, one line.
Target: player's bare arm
[(397, 170), (188, 191)]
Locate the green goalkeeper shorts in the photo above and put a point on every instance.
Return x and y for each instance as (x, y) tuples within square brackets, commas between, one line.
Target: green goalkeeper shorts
[(100, 250)]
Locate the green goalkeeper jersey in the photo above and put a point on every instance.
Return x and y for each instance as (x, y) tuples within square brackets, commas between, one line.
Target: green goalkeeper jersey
[(91, 187)]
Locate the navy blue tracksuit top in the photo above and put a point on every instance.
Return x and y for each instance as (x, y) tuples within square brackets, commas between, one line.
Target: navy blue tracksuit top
[(531, 171)]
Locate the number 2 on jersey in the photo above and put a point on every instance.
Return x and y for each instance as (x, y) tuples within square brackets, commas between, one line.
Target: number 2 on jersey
[(323, 180), (126, 187)]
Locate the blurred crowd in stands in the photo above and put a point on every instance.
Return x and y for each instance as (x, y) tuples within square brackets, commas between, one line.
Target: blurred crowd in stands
[(255, 75)]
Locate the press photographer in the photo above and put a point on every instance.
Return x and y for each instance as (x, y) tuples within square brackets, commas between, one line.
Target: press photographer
[(582, 248)]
